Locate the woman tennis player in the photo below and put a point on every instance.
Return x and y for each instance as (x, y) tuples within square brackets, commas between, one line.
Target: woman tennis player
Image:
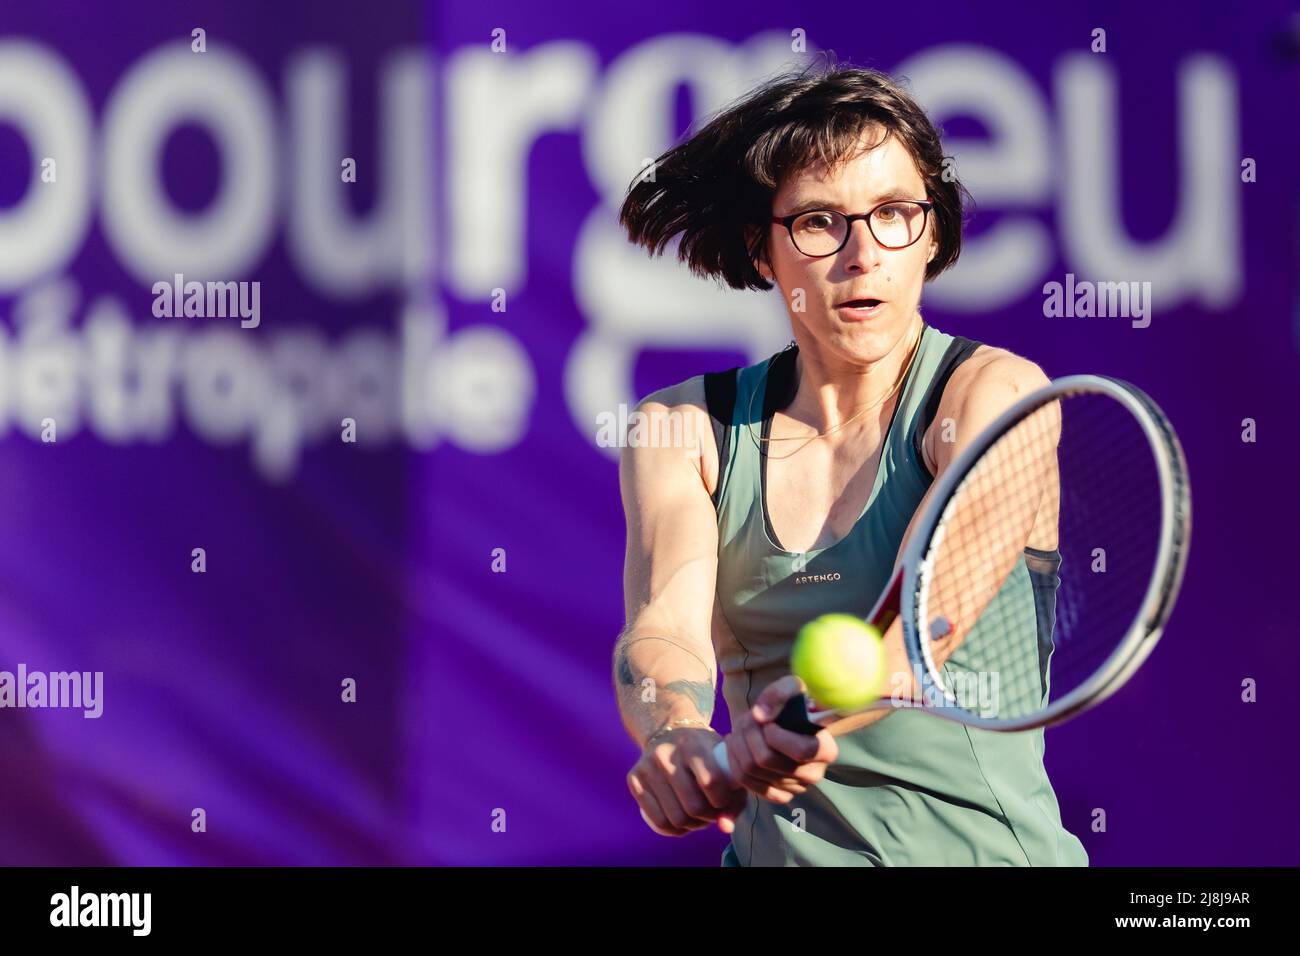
[(829, 184)]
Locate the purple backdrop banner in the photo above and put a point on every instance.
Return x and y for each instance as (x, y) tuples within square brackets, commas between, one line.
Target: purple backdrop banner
[(342, 539)]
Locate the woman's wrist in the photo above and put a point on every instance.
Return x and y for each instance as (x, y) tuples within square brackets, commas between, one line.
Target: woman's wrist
[(677, 724)]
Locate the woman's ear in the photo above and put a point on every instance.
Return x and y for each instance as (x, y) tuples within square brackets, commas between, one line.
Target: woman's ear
[(759, 263)]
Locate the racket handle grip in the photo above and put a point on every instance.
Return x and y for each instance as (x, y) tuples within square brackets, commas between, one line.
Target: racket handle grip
[(793, 717), (720, 755)]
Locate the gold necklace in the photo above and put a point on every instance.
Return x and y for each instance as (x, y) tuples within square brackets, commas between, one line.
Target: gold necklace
[(807, 440)]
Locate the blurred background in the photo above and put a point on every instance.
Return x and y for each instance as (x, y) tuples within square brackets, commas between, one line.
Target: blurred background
[(462, 293)]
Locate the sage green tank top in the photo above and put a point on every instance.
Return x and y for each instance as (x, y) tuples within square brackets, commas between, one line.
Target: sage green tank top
[(912, 789)]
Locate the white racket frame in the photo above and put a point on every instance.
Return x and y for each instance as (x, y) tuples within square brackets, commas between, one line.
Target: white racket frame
[(1170, 562)]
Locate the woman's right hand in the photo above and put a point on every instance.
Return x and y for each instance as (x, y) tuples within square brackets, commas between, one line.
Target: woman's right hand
[(680, 787)]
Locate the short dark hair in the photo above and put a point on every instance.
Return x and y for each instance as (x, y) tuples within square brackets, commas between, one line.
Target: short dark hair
[(716, 188)]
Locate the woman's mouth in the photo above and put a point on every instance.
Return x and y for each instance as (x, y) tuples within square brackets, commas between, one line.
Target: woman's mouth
[(856, 310)]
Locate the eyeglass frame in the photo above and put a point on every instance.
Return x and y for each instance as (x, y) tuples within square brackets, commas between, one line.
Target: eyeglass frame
[(788, 221)]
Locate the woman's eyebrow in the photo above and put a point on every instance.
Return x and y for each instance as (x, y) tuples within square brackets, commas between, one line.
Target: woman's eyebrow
[(896, 192)]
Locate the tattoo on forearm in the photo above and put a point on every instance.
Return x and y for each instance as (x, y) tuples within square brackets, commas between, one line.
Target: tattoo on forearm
[(700, 693), (624, 667)]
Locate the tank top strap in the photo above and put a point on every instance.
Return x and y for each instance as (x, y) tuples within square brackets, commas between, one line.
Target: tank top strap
[(903, 444), (738, 474), (765, 387)]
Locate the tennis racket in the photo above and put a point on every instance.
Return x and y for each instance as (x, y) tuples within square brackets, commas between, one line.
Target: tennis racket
[(1043, 569)]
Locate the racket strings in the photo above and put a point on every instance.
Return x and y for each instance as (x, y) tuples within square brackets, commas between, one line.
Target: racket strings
[(1042, 556)]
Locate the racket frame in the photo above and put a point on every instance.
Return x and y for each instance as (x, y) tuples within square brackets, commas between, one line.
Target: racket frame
[(1157, 603)]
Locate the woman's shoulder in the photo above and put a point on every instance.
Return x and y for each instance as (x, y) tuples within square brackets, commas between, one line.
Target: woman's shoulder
[(977, 374), (682, 397), (677, 415), (974, 361), (991, 364)]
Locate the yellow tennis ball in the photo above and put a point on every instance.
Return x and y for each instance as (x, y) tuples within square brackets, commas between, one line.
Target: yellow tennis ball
[(841, 660)]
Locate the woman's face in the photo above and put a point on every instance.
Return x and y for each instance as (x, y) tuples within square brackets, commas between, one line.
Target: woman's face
[(863, 269)]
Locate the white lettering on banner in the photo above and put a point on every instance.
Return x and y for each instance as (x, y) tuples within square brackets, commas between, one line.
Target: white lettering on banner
[(498, 107), (341, 254), (477, 387), (1010, 170), (226, 94), (40, 95), (1200, 255)]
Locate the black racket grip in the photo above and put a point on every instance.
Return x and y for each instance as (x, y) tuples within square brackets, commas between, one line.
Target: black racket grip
[(794, 717)]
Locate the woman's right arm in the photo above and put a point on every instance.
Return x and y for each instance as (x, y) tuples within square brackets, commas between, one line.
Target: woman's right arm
[(665, 673)]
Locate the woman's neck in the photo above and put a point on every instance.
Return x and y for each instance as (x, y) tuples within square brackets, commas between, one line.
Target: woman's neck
[(829, 393)]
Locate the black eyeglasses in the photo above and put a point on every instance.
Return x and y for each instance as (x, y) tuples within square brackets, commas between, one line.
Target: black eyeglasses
[(895, 224)]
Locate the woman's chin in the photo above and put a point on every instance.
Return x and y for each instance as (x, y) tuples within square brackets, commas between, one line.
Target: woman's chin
[(860, 342), (865, 344)]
